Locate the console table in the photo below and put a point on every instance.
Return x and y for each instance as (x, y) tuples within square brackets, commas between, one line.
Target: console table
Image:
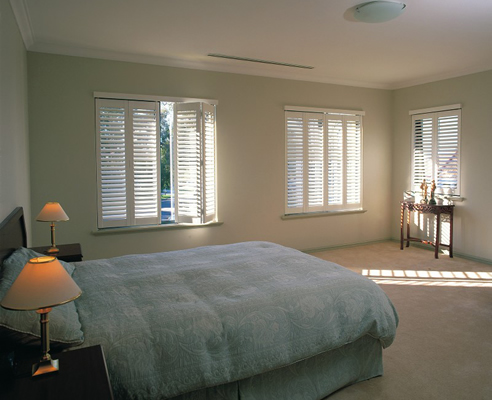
[(424, 208)]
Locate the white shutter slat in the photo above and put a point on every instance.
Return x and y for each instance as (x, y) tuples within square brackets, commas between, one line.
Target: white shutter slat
[(112, 169)]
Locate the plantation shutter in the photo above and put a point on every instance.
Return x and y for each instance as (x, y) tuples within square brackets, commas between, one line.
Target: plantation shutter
[(335, 161), (208, 151), (294, 167), (111, 124), (314, 158), (128, 166), (194, 163), (423, 128), (323, 162), (448, 150), (353, 157), (146, 162), (436, 149)]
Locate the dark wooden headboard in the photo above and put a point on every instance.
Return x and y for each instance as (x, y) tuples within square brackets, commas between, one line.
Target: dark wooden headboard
[(12, 233)]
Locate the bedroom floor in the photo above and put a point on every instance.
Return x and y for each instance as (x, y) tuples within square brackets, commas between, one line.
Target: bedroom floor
[(443, 346)]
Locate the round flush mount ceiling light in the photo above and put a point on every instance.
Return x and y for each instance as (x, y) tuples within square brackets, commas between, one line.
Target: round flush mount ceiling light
[(378, 11)]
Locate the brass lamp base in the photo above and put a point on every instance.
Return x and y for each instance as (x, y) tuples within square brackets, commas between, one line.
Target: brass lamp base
[(52, 250), (45, 367)]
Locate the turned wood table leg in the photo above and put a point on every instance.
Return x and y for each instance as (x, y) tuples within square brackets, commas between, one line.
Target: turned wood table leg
[(409, 212), (402, 218)]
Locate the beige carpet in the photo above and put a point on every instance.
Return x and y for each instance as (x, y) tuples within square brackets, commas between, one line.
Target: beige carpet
[(443, 347)]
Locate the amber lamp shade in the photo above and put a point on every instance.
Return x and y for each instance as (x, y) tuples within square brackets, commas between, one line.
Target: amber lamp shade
[(42, 284)]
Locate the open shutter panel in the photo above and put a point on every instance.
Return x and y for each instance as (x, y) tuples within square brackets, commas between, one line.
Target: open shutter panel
[(334, 162), (187, 158), (423, 126), (146, 167), (447, 150), (209, 197), (353, 151), (294, 173), (112, 163), (313, 161)]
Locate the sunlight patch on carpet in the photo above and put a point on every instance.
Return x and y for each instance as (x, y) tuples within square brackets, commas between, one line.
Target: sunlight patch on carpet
[(429, 278)]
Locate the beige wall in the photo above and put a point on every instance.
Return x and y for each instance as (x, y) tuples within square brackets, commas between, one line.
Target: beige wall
[(14, 145), (250, 150), (250, 143), (473, 221)]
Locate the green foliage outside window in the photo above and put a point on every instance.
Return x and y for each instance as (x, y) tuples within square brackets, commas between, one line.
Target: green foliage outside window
[(166, 126)]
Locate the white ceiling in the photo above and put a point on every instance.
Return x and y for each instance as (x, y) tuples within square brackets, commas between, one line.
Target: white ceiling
[(431, 40)]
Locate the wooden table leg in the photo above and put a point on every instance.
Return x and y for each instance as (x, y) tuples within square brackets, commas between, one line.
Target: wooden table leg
[(438, 235), (408, 227), (451, 234), (402, 217)]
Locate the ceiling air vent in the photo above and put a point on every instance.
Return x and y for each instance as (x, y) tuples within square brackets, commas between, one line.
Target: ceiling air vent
[(260, 61)]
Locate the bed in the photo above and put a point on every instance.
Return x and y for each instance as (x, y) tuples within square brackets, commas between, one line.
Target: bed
[(251, 320)]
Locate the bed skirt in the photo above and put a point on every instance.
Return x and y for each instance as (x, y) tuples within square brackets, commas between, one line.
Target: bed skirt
[(314, 378)]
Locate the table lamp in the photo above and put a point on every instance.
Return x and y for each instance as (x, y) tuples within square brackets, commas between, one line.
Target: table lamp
[(52, 212), (42, 284)]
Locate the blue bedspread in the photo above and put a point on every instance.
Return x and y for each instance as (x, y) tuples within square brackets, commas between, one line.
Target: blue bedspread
[(174, 322)]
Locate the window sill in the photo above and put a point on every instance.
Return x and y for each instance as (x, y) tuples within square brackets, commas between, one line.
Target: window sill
[(147, 228), (322, 214), (453, 198)]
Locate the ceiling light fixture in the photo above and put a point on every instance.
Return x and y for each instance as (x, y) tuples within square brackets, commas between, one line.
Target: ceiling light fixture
[(378, 11), (259, 61)]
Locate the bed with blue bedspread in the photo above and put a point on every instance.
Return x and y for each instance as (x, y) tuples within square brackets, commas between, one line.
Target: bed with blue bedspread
[(233, 319), (251, 320)]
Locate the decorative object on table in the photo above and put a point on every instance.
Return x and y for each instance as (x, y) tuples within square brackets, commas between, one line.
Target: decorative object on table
[(52, 212), (42, 284), (438, 195), (408, 195), (424, 186), (433, 190)]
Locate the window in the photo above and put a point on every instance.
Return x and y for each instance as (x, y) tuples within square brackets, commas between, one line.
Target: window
[(156, 162), (436, 147), (323, 160)]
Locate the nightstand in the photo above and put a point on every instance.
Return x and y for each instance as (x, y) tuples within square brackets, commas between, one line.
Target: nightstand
[(83, 375), (68, 252)]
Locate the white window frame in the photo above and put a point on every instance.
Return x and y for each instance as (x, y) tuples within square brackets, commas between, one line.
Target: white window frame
[(427, 157), (309, 170), (204, 130)]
